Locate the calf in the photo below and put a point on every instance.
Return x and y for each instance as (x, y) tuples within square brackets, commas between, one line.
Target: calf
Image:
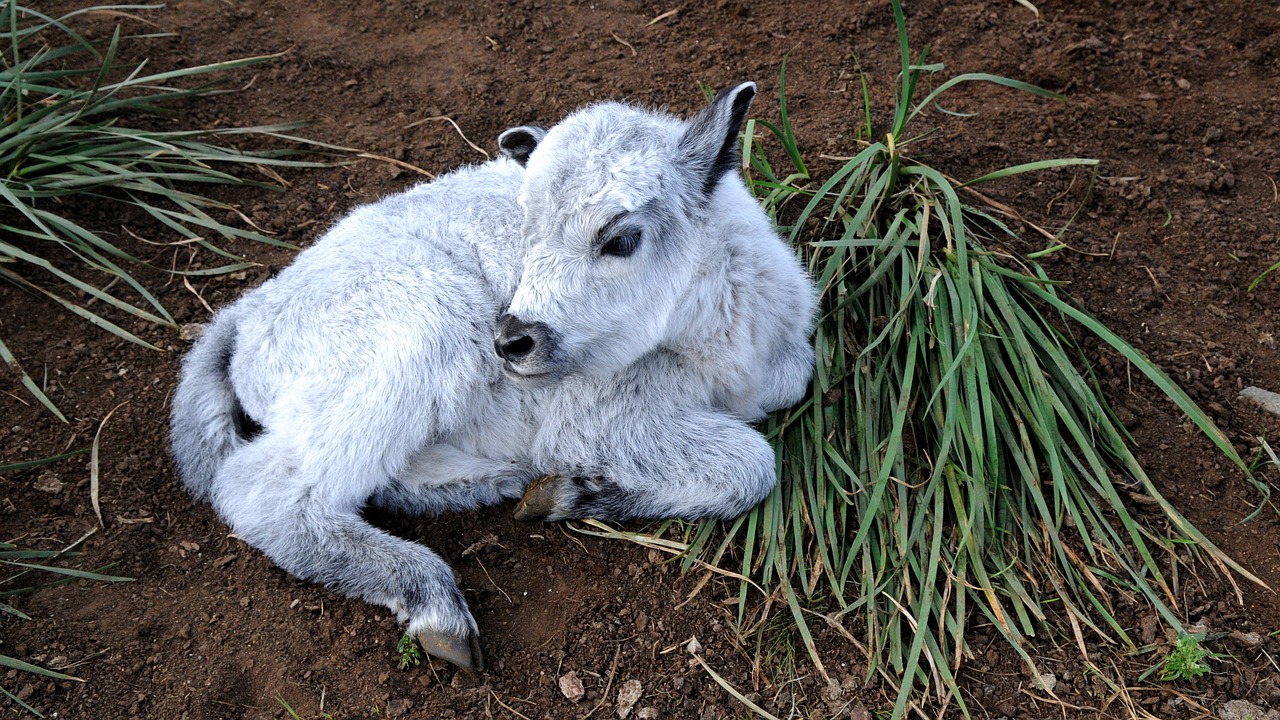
[(604, 308)]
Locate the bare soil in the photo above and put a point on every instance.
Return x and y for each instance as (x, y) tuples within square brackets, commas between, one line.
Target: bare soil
[(1178, 98)]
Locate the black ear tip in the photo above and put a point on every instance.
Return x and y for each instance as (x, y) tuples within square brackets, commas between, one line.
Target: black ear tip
[(739, 94), (742, 96), (519, 142)]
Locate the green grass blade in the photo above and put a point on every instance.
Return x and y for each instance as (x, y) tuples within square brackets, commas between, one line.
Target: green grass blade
[(28, 464), (28, 383), (1030, 167), (15, 664)]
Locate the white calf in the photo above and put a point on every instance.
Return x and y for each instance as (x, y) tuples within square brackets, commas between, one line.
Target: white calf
[(605, 305)]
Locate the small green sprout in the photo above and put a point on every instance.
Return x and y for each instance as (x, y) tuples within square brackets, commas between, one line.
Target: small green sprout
[(1187, 659), (410, 652), (288, 708)]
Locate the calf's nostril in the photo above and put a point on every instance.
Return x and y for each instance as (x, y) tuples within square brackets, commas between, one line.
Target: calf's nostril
[(514, 349)]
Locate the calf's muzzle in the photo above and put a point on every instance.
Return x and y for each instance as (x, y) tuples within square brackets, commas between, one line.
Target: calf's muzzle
[(516, 341)]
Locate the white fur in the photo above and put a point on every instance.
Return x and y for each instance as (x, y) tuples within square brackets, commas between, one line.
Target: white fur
[(370, 362)]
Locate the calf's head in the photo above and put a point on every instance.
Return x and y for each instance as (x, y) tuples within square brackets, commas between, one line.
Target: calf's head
[(617, 202)]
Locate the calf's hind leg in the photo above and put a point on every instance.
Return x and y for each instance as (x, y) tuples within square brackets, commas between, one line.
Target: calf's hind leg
[(301, 521)]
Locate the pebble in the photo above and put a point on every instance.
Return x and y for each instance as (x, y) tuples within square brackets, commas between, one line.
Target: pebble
[(571, 686), (49, 483), (464, 679), (1247, 639), (1245, 710), (399, 707), (1264, 399), (628, 696)]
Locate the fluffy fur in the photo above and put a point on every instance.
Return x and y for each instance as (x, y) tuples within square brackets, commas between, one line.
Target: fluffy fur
[(605, 303)]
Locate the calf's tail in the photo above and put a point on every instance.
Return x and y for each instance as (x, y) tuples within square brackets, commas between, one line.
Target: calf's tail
[(206, 421)]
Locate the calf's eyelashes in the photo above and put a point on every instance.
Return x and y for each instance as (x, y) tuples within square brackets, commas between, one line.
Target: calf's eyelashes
[(622, 243)]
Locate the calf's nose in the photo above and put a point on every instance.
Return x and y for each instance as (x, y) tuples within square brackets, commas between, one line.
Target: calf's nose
[(515, 340)]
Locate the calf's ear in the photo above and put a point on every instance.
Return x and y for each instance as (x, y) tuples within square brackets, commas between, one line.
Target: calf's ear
[(710, 141), (518, 142)]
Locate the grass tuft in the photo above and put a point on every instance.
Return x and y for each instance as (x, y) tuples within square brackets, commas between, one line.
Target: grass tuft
[(66, 103), (955, 463)]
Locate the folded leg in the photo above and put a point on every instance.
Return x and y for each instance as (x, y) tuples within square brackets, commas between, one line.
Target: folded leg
[(443, 478), (278, 507), (685, 463)]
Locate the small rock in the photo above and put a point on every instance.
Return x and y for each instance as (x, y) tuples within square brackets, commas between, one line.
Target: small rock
[(1264, 399), (1047, 681), (1183, 83), (396, 708), (1247, 639), (693, 645), (647, 713), (1245, 710), (627, 697), (49, 483), (464, 679), (571, 686), (191, 331)]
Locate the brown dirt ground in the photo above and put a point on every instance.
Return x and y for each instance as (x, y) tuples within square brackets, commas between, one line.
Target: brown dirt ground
[(1178, 98)]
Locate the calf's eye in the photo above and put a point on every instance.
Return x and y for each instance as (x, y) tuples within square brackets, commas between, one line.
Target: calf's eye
[(621, 245)]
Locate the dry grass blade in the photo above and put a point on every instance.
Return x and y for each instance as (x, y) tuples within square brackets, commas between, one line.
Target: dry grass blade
[(729, 688), (461, 134), (93, 465)]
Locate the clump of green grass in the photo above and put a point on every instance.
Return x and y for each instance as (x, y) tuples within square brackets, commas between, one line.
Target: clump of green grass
[(66, 108), (955, 463), (18, 580), (1187, 659)]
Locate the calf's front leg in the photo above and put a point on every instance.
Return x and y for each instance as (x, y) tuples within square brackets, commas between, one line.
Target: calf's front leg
[(683, 463)]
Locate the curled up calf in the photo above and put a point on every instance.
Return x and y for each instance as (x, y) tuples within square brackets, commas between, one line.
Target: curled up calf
[(604, 308)]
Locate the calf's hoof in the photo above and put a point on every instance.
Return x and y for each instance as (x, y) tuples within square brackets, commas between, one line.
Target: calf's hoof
[(539, 499), (461, 651)]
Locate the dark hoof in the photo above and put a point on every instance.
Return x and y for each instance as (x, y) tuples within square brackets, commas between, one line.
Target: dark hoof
[(461, 651), (539, 499)]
